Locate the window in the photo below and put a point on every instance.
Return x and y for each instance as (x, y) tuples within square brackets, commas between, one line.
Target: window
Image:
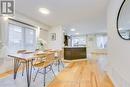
[(101, 41), (30, 39), (21, 37), (78, 40)]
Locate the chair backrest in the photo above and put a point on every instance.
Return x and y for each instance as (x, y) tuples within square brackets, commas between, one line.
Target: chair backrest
[(39, 55), (48, 50), (21, 51), (50, 57), (60, 54), (39, 58)]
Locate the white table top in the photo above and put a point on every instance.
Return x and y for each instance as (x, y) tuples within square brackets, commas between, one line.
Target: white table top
[(22, 56), (26, 56)]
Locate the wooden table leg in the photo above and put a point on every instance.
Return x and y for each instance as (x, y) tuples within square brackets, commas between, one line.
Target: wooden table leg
[(16, 67)]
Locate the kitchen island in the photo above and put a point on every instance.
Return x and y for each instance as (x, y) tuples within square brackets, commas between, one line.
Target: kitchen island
[(73, 53)]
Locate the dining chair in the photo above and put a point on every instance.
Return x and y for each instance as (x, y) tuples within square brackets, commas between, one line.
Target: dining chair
[(42, 66), (60, 58), (39, 58)]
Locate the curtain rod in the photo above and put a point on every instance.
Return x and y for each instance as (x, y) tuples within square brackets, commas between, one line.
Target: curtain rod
[(22, 22)]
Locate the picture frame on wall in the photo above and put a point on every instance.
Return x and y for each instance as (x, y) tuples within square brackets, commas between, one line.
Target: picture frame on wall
[(53, 36)]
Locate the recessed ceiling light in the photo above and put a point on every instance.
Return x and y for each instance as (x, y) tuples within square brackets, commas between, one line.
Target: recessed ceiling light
[(72, 29), (44, 11), (77, 33)]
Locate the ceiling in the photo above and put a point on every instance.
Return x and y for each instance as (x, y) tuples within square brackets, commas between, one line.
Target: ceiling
[(81, 14), (95, 25)]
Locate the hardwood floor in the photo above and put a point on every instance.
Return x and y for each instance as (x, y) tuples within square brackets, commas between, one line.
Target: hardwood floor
[(78, 74), (8, 73), (81, 74)]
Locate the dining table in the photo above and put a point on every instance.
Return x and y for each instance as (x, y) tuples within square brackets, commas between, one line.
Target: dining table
[(28, 59)]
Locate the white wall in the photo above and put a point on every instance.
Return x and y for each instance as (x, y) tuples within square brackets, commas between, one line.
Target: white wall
[(119, 49), (40, 34), (44, 35), (3, 37), (4, 25), (91, 44), (28, 20), (59, 42)]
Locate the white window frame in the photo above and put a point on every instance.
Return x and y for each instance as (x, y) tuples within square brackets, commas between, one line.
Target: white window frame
[(24, 26), (102, 36)]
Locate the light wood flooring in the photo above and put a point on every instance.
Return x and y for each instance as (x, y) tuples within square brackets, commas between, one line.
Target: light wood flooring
[(81, 74), (78, 74)]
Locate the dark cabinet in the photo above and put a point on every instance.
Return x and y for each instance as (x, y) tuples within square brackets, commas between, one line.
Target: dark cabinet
[(75, 53)]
